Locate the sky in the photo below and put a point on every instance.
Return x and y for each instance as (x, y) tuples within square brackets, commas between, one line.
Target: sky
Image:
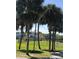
[(58, 3)]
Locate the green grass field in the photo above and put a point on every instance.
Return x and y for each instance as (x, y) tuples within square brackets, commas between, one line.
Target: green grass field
[(37, 53)]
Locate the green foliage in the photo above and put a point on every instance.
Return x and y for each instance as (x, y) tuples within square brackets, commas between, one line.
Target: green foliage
[(20, 6), (59, 38), (29, 11)]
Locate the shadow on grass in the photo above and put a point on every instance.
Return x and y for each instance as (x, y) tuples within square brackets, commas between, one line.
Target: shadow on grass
[(37, 51), (40, 58), (31, 57), (30, 51)]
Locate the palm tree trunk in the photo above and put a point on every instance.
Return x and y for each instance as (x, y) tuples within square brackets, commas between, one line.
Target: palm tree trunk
[(27, 40), (26, 28), (49, 40), (53, 40), (21, 37), (34, 38), (38, 38)]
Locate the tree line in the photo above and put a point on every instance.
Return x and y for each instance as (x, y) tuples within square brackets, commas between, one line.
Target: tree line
[(29, 12)]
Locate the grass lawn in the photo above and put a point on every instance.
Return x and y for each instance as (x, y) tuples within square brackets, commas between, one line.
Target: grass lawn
[(37, 53)]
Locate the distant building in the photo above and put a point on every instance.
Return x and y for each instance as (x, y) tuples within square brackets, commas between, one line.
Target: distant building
[(31, 35), (18, 35)]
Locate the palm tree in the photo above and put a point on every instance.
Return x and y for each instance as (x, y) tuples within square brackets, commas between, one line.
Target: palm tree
[(20, 23), (21, 35), (35, 7), (49, 39), (20, 7), (27, 20), (34, 38), (57, 21), (27, 40), (48, 17), (53, 17), (38, 38), (41, 21)]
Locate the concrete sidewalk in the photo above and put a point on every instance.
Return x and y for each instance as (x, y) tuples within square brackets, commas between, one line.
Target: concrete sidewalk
[(21, 58), (56, 57), (52, 57)]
